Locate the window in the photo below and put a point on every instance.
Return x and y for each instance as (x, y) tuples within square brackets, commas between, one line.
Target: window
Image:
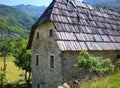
[(37, 36), (38, 86), (51, 33), (37, 60), (51, 61)]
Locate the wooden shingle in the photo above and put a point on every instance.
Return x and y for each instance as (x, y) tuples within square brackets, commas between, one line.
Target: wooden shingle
[(81, 26)]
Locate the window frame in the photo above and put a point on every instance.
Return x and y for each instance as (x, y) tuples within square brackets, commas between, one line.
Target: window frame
[(51, 33), (51, 61), (37, 35), (37, 59), (38, 85)]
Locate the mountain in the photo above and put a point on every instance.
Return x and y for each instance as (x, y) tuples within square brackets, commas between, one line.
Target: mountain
[(14, 22), (97, 1), (34, 11), (110, 4)]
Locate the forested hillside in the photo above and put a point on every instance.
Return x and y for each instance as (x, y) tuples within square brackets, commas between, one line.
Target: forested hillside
[(96, 1), (110, 4), (31, 10), (14, 22), (15, 26)]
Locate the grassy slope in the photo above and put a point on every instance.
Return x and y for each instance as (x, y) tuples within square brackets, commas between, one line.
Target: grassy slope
[(112, 81), (12, 71)]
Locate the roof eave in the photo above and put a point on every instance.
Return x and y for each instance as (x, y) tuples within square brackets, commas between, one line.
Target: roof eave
[(40, 21)]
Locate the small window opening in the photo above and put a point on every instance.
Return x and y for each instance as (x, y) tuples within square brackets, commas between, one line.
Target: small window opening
[(51, 61), (37, 36), (51, 33), (37, 60), (38, 86)]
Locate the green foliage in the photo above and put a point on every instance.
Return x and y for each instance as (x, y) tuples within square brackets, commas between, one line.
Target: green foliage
[(109, 4), (117, 63), (34, 11), (10, 28), (23, 59), (96, 65), (5, 45), (11, 69), (16, 17), (2, 78), (111, 81), (14, 22), (12, 44), (114, 5), (21, 85)]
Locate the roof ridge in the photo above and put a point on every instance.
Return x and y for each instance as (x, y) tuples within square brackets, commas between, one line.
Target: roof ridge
[(78, 20)]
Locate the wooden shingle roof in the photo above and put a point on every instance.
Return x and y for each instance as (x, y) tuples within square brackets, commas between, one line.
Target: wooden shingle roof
[(80, 26)]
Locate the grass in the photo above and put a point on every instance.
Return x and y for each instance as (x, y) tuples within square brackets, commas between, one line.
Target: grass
[(111, 81), (13, 72), (23, 85)]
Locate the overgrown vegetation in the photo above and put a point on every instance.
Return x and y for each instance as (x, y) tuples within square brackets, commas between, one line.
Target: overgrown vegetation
[(14, 30), (117, 63), (96, 65), (14, 75), (2, 78), (22, 56), (12, 72), (11, 44), (23, 61), (111, 81)]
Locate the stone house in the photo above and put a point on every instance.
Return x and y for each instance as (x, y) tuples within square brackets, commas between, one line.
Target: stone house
[(63, 30)]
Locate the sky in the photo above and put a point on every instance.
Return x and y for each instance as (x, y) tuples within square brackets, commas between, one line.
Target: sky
[(26, 2)]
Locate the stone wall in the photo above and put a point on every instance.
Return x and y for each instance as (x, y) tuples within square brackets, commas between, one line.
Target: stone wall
[(64, 70), (43, 75), (106, 54), (70, 72)]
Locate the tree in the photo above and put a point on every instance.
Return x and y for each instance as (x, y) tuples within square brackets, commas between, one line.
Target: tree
[(23, 61), (23, 58), (7, 46), (4, 49)]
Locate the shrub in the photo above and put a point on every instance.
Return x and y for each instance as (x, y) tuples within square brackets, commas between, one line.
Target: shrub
[(91, 64), (117, 63), (2, 78)]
